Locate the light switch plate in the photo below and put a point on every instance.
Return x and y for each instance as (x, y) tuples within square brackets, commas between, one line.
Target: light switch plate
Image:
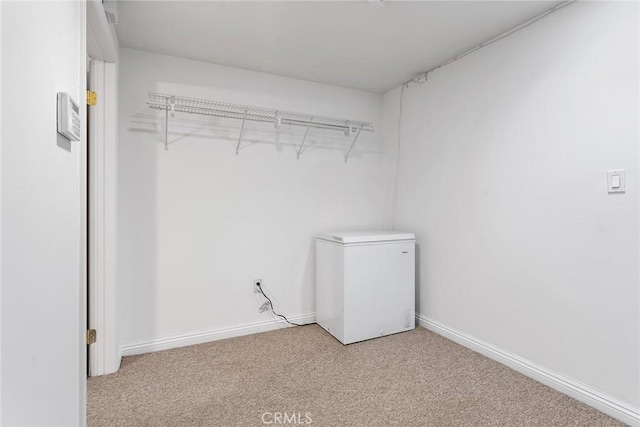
[(616, 182)]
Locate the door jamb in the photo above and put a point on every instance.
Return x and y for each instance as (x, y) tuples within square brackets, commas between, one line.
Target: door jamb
[(104, 354), (102, 47)]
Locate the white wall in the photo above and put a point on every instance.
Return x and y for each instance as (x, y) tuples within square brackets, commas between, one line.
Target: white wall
[(0, 215), (198, 223), (503, 178), (43, 365)]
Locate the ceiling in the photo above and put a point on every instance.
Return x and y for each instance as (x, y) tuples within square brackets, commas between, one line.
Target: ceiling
[(368, 45)]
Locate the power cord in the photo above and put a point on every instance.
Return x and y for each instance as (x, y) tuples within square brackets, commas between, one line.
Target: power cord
[(259, 286)]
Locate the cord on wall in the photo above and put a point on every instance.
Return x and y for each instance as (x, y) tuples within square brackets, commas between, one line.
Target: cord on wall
[(269, 303), (423, 77), (397, 165)]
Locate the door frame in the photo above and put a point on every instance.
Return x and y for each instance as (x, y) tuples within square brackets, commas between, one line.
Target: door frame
[(104, 354), (102, 232)]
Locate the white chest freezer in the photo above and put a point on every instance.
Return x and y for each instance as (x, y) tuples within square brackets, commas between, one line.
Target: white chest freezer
[(365, 283)]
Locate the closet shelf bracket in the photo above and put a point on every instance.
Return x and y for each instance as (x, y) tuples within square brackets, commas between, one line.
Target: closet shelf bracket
[(241, 131), (346, 157), (166, 127), (302, 143)]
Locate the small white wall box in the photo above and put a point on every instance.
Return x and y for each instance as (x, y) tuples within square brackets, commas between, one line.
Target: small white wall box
[(365, 284), (68, 117)]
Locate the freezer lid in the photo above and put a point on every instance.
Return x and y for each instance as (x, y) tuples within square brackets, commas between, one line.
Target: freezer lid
[(346, 237)]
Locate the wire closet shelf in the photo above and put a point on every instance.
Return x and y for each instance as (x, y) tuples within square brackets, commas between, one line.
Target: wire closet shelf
[(171, 104)]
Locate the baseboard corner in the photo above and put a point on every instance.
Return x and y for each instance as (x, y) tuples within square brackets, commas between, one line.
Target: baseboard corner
[(601, 401)]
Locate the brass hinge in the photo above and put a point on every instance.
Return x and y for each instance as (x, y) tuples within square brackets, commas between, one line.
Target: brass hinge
[(92, 98), (91, 336)]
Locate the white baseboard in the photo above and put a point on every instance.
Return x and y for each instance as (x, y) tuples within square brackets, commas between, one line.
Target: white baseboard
[(592, 397), (200, 337)]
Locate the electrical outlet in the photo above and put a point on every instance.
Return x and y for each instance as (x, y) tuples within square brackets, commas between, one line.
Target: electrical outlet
[(256, 286)]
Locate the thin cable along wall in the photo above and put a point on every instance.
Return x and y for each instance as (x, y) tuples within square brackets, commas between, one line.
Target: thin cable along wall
[(171, 104)]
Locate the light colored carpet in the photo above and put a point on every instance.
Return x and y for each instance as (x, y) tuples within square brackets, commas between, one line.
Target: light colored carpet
[(414, 378)]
